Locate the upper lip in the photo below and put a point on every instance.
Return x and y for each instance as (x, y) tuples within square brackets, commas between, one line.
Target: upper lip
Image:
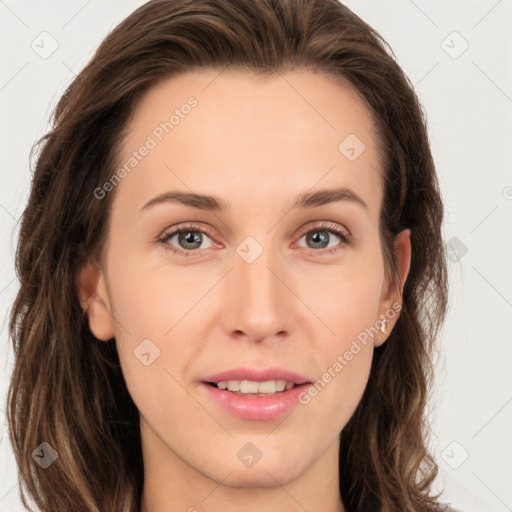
[(257, 375)]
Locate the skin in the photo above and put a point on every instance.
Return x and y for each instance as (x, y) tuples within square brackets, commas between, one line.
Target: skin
[(257, 144)]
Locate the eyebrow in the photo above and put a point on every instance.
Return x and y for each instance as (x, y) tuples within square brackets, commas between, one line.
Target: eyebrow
[(212, 203)]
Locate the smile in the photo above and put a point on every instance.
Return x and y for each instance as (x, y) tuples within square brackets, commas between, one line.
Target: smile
[(261, 395)]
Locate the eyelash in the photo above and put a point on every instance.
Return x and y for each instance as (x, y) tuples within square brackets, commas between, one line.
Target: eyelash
[(345, 237)]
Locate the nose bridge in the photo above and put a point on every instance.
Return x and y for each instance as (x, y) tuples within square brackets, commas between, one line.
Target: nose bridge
[(259, 302)]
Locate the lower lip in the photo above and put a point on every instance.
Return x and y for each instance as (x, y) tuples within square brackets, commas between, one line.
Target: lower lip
[(256, 407)]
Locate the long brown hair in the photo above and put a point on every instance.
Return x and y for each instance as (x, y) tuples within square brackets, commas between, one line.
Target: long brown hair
[(67, 388)]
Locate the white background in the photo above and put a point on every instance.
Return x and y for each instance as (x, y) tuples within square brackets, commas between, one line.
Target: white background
[(468, 102)]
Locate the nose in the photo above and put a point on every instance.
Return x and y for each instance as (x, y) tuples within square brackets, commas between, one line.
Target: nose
[(259, 305)]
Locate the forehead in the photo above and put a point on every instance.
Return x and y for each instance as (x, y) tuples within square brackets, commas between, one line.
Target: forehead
[(235, 134)]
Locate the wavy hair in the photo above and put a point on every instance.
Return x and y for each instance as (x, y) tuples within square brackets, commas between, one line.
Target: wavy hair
[(67, 389)]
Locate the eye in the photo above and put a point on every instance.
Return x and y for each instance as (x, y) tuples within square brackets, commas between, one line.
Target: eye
[(186, 240), (320, 238)]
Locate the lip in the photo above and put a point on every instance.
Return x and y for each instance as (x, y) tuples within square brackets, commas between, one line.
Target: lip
[(256, 407), (265, 374), (253, 407)]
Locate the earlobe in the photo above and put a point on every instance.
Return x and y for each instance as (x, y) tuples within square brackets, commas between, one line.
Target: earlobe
[(93, 297), (391, 302)]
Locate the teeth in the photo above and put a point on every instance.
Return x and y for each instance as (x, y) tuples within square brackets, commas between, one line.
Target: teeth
[(249, 386), (266, 387), (233, 385), (281, 385)]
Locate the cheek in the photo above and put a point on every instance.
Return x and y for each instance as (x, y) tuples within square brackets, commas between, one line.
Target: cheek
[(346, 297), (147, 299), (151, 307), (349, 305)]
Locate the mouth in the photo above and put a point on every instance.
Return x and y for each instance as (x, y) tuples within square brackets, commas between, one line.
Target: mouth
[(255, 394), (254, 388)]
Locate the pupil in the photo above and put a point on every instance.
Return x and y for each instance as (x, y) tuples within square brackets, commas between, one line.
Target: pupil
[(190, 237), (319, 237)]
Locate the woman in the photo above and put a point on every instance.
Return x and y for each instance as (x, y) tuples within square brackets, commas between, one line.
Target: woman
[(232, 271)]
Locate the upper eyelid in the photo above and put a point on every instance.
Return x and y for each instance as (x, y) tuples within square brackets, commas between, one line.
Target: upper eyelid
[(325, 224), (320, 224)]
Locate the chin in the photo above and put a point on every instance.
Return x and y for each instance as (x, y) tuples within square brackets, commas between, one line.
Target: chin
[(262, 478), (274, 471)]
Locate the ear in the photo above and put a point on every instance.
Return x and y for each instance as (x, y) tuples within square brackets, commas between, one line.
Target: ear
[(391, 295), (92, 294)]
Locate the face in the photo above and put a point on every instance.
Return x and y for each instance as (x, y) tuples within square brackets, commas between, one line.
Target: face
[(255, 287)]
